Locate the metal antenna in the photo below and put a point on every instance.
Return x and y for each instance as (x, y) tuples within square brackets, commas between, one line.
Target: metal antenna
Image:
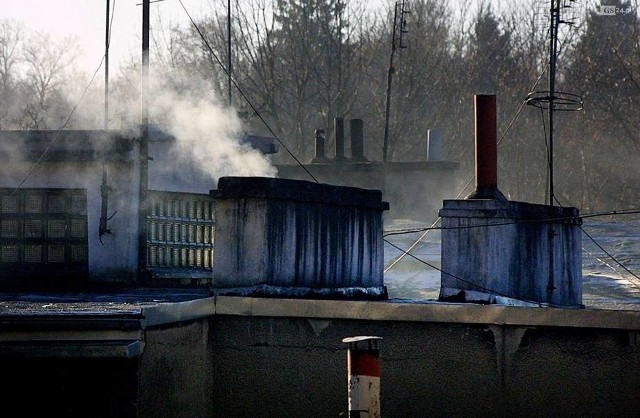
[(553, 100)]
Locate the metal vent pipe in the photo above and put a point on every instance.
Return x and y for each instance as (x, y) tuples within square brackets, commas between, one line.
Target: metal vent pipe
[(338, 129), (486, 148), (356, 131)]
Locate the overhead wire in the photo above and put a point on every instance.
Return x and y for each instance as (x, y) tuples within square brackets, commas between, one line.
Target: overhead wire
[(475, 285), (244, 96), (504, 134), (607, 253), (54, 139), (514, 222)]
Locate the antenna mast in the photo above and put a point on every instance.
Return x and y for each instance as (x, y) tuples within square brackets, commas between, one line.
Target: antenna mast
[(553, 100), (402, 22)]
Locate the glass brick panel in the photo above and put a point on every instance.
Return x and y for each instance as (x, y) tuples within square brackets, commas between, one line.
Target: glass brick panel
[(199, 257), (191, 257), (33, 254), (78, 228), (176, 232), (78, 204), (160, 227), (175, 260), (153, 255), (191, 233), (10, 228), (56, 228), (207, 234), (9, 204), (79, 253), (33, 204), (184, 261), (10, 253), (207, 259), (199, 234), (55, 204), (191, 208), (56, 254), (33, 228), (152, 230)]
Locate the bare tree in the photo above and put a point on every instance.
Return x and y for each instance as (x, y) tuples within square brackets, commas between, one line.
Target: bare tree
[(11, 33), (47, 62)]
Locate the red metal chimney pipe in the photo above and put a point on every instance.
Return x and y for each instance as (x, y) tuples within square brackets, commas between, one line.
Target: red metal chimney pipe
[(486, 148)]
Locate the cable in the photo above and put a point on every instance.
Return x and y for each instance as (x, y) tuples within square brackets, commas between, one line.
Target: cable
[(607, 252), (612, 258), (235, 84), (53, 140), (545, 220), (504, 134), (477, 286)]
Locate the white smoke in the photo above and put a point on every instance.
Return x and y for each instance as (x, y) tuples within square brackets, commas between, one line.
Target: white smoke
[(207, 133)]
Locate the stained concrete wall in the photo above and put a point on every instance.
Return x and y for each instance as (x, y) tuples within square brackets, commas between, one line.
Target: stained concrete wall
[(267, 357), (516, 251), (297, 236), (285, 358), (176, 372)]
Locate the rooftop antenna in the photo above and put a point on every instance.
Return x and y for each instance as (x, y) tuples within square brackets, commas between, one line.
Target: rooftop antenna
[(397, 41), (554, 100)]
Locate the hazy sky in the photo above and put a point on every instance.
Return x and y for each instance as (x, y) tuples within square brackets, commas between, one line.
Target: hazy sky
[(85, 19)]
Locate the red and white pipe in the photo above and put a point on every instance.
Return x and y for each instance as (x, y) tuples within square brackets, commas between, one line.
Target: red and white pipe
[(363, 366)]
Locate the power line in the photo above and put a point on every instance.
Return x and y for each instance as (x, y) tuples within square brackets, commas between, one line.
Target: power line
[(53, 140), (504, 134), (244, 96), (477, 286), (520, 221)]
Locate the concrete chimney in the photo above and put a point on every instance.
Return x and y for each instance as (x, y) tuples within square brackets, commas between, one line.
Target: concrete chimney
[(281, 237), (500, 251), (486, 148)]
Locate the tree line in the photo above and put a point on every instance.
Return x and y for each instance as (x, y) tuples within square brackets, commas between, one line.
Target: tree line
[(302, 63)]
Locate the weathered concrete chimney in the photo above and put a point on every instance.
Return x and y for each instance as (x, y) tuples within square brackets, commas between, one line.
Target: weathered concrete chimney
[(281, 237), (486, 148), (499, 251)]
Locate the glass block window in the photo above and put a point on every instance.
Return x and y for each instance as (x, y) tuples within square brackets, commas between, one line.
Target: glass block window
[(180, 231), (43, 232)]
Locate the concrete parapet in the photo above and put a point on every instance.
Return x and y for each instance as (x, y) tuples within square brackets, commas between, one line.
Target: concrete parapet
[(496, 251), (297, 238)]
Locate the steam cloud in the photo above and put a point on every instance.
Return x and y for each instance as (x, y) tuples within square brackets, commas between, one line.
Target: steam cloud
[(207, 133)]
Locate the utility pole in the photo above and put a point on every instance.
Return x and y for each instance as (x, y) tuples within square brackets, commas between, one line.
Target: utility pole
[(144, 146), (391, 70), (106, 68), (229, 68)]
